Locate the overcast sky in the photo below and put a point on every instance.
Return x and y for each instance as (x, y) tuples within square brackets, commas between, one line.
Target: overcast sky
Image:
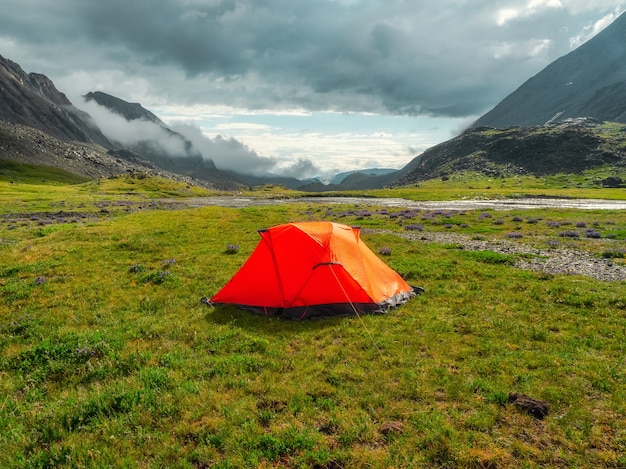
[(301, 86)]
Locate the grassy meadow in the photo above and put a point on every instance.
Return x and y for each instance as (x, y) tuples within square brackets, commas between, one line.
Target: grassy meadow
[(108, 358)]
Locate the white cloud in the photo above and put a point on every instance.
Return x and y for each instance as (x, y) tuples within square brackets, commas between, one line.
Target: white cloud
[(230, 126), (128, 133), (540, 47), (591, 30), (506, 15)]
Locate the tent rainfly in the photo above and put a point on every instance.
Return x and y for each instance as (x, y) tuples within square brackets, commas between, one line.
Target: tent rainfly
[(310, 269)]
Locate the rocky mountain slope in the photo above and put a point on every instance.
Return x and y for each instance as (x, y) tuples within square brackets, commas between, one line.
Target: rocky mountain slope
[(32, 99), (569, 147), (588, 82), (25, 144)]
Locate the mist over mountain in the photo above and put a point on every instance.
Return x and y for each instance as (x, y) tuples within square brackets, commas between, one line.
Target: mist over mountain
[(590, 81), (129, 126), (184, 147)]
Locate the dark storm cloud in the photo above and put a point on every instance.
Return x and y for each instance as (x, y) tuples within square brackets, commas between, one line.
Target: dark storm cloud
[(451, 58)]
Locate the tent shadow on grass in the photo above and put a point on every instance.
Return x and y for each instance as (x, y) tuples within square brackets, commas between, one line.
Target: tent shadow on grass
[(232, 315)]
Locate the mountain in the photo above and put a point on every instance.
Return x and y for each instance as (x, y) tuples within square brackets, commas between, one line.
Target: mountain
[(25, 144), (355, 181), (129, 111), (161, 145), (588, 82), (32, 99), (275, 179), (568, 147), (339, 177), (568, 118), (64, 136)]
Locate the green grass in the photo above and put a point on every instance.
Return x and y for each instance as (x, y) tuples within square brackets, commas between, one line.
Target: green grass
[(109, 359), (473, 185), (20, 173)]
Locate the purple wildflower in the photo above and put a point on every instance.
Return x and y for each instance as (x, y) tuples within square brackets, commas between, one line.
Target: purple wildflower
[(232, 248), (591, 233), (85, 352), (40, 280)]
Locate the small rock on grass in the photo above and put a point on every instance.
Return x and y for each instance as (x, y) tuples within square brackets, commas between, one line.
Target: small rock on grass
[(535, 407)]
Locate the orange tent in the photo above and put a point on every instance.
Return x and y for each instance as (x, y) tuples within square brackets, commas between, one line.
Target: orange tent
[(302, 270)]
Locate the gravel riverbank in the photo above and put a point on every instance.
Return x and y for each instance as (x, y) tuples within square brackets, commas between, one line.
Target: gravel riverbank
[(555, 260)]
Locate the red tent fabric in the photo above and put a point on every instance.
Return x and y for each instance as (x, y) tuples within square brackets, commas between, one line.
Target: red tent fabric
[(307, 269)]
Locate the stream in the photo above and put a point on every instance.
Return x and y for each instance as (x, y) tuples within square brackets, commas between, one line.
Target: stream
[(464, 204)]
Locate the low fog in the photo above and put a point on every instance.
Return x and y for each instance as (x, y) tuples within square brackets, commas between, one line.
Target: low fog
[(227, 153), (128, 133)]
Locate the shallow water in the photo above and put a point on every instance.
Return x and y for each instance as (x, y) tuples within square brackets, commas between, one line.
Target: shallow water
[(467, 204)]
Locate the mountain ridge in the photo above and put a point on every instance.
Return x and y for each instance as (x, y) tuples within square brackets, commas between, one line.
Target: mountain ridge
[(25, 144), (552, 123), (32, 99), (590, 81)]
